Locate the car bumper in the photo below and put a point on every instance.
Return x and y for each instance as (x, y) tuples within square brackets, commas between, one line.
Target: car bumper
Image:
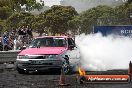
[(44, 66)]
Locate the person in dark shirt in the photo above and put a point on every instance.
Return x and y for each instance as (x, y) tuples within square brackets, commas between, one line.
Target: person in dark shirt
[(29, 31), (29, 34), (19, 31), (23, 30)]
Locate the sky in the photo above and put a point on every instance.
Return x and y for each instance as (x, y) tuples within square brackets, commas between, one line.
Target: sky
[(50, 2), (82, 5)]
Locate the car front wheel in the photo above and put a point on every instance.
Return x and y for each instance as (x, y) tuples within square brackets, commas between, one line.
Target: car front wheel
[(21, 71)]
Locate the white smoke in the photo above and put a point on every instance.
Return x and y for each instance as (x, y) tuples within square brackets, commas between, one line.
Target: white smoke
[(104, 53)]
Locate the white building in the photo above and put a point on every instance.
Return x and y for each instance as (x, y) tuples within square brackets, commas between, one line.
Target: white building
[(82, 5)]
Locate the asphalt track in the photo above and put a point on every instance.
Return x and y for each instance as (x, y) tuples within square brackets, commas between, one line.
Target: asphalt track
[(9, 78)]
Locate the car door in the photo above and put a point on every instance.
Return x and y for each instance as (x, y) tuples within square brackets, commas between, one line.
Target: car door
[(73, 54)]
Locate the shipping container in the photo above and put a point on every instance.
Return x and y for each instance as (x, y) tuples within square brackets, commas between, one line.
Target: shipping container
[(114, 30)]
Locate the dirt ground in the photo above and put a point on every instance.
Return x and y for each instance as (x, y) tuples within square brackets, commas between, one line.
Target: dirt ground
[(10, 78)]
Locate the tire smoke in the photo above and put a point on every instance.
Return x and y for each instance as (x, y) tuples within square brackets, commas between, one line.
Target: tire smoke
[(100, 53)]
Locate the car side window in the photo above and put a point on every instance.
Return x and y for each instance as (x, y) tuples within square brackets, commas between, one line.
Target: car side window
[(70, 41)]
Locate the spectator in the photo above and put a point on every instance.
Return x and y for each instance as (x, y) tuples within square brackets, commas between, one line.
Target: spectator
[(19, 31), (1, 45), (23, 31), (29, 34), (29, 31), (5, 41)]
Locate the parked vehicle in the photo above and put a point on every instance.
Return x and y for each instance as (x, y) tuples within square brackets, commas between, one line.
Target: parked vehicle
[(48, 52)]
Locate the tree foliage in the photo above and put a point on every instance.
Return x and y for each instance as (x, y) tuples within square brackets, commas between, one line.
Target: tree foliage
[(20, 19), (129, 1), (60, 19), (105, 15), (94, 16), (39, 25), (2, 26), (56, 19), (10, 10), (5, 12), (15, 5), (74, 25)]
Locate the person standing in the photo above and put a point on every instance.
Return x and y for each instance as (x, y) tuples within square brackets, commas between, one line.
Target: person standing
[(5, 41), (29, 34)]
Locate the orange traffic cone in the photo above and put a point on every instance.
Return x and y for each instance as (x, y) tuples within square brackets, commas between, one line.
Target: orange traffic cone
[(62, 81)]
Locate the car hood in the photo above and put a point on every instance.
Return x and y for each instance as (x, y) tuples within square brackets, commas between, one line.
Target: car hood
[(42, 50)]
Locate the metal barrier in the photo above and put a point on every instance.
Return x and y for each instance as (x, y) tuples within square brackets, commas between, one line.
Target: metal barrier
[(8, 56)]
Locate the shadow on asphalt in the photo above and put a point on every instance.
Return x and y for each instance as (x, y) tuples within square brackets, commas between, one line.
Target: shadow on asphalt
[(49, 72), (43, 73)]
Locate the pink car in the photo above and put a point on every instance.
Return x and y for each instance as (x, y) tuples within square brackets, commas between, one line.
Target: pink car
[(48, 52)]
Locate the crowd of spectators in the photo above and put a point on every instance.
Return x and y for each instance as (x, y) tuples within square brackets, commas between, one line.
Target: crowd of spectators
[(16, 39)]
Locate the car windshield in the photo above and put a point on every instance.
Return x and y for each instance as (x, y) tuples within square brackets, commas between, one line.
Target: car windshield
[(48, 42)]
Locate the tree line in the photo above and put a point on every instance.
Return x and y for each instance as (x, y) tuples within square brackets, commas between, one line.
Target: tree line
[(60, 19)]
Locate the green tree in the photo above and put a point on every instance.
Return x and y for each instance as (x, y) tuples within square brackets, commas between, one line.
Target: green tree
[(122, 15), (15, 5), (2, 26), (129, 1), (20, 19), (31, 4), (56, 18), (38, 6), (74, 25), (99, 15), (39, 25), (4, 3), (5, 12), (12, 4)]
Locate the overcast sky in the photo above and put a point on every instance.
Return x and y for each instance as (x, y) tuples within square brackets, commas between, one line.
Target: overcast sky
[(82, 5), (50, 2)]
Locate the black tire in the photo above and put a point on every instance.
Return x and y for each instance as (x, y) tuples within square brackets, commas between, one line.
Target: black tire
[(21, 71), (81, 79), (68, 70)]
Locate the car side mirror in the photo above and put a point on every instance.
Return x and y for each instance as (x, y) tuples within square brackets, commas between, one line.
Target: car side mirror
[(71, 47)]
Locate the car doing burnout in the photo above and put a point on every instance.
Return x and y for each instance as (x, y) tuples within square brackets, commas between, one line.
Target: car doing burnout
[(48, 52)]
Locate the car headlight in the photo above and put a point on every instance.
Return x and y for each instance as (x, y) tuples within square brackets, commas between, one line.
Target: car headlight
[(51, 56), (22, 57)]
